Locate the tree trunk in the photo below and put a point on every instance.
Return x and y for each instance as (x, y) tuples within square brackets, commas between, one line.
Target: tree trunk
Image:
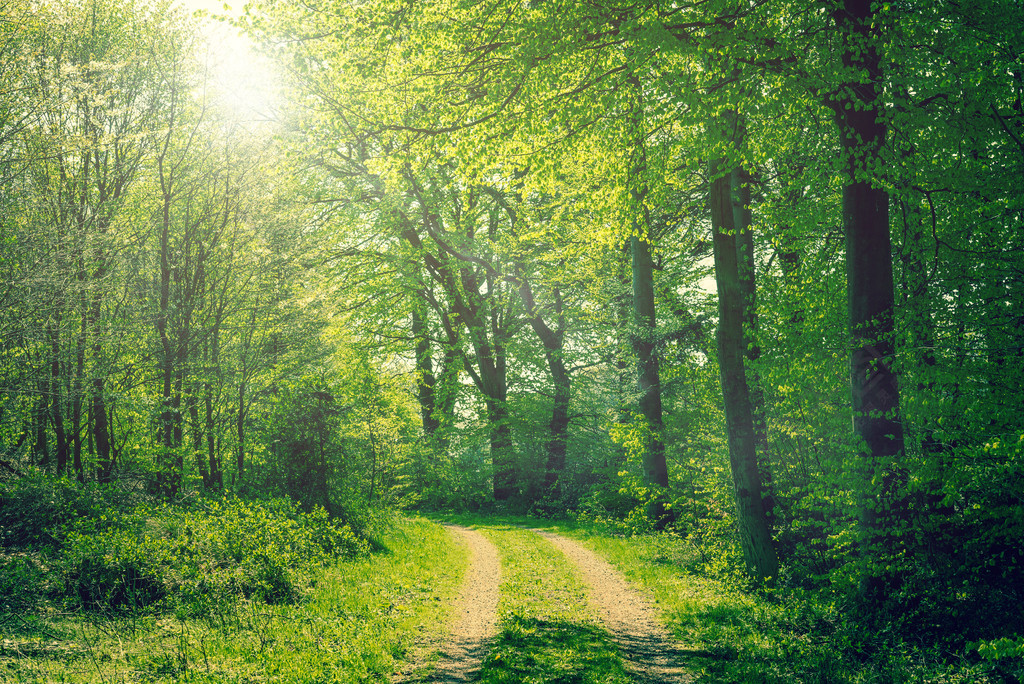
[(755, 537), (869, 275), (56, 410), (486, 332), (192, 402), (425, 379), (553, 342), (76, 405), (98, 407), (101, 433), (40, 417), (649, 380), (506, 480), (743, 221), (240, 432), (644, 320)]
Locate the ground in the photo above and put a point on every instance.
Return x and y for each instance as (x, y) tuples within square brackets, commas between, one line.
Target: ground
[(649, 654)]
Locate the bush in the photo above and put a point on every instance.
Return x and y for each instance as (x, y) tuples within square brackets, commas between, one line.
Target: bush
[(114, 570), (201, 556), (24, 580), (34, 510)]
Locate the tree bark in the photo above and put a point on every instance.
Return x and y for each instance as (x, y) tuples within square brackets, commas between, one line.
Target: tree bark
[(482, 320), (644, 319), (553, 341), (425, 378), (743, 221), (648, 377), (755, 536), (869, 275), (56, 410)]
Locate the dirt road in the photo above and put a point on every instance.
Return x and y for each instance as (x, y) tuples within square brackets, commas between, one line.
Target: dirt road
[(649, 653), (476, 611)]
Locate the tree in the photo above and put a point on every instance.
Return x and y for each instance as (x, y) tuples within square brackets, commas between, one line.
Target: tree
[(873, 380), (755, 536)]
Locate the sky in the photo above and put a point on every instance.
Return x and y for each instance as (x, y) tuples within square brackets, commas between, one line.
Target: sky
[(244, 79)]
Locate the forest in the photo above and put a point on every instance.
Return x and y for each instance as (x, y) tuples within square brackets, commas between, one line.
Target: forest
[(730, 291)]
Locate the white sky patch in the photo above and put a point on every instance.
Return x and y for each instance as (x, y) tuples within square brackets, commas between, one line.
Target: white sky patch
[(244, 81)]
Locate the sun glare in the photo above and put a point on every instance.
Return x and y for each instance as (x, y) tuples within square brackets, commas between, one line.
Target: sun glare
[(241, 79)]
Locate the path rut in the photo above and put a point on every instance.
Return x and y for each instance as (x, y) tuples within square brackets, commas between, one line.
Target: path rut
[(476, 612), (652, 656)]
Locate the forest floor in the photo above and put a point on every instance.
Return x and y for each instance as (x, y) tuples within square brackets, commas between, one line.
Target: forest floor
[(482, 599), (648, 652)]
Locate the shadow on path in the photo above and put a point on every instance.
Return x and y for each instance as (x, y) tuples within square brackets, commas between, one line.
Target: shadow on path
[(651, 655), (552, 652), (460, 661)]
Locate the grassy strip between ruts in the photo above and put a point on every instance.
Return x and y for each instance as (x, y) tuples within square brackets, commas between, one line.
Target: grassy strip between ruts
[(357, 624), (548, 631)]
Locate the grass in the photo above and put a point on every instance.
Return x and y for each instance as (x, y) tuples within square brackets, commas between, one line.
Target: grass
[(361, 621), (739, 635), (548, 632)]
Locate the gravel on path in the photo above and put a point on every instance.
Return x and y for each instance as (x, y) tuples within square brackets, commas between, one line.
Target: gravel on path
[(652, 656), (476, 612)]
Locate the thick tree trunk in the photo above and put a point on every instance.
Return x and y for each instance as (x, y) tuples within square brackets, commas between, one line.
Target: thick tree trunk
[(869, 274), (101, 433), (743, 221), (506, 480), (558, 434), (553, 341), (644, 335), (755, 536), (648, 377), (486, 332)]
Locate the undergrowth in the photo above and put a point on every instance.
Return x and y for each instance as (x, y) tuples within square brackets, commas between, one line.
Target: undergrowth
[(188, 556), (741, 633), (214, 590)]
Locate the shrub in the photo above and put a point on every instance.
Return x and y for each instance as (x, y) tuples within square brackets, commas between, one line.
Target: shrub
[(34, 510), (114, 569), (24, 580), (200, 556)]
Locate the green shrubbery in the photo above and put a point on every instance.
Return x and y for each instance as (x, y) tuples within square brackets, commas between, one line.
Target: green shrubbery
[(33, 510), (188, 556)]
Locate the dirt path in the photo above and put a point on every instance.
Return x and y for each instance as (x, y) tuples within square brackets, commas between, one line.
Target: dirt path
[(475, 612), (651, 655)]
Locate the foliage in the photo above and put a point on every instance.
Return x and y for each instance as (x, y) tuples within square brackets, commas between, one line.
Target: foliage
[(740, 633), (471, 265), (361, 619), (196, 557), (34, 509)]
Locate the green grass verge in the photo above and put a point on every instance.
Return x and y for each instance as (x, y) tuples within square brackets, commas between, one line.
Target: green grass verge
[(740, 636), (548, 633), (359, 623)]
